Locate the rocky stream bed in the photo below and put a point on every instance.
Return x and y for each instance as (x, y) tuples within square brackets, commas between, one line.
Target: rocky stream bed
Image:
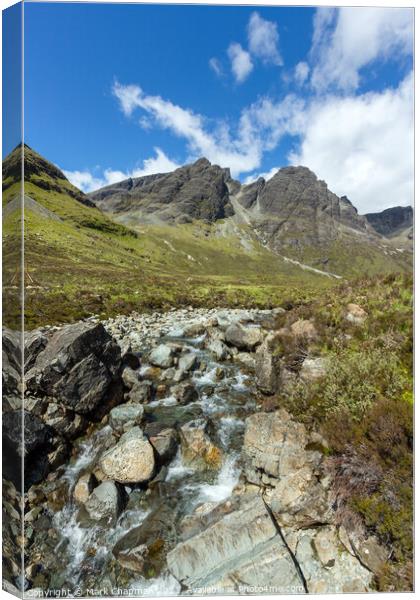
[(151, 468)]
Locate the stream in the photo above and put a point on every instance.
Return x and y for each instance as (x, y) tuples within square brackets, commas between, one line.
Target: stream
[(226, 396)]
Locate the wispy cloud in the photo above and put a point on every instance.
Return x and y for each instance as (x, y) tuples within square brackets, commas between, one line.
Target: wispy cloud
[(216, 66), (88, 182), (301, 72), (259, 128), (241, 63), (263, 39), (347, 39)]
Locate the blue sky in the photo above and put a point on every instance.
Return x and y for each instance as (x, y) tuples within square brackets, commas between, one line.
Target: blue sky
[(119, 90)]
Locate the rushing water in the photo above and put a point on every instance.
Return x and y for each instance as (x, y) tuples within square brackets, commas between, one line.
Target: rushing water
[(85, 548)]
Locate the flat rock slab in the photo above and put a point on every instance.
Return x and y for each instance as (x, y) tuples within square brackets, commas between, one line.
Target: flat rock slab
[(242, 550)]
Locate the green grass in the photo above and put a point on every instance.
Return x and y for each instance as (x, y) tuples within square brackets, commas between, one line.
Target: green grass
[(364, 407)]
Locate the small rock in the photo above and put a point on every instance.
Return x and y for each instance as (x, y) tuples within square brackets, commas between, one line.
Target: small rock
[(162, 356), (356, 314), (304, 329), (184, 393), (105, 502), (187, 362), (165, 443), (313, 369), (130, 377), (125, 416), (84, 487)]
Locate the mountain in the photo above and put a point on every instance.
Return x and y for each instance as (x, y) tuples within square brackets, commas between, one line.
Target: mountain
[(197, 191), (79, 260), (394, 223), (293, 214)]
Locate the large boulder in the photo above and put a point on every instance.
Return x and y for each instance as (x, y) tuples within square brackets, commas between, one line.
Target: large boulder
[(132, 460), (36, 441), (277, 454), (243, 338), (239, 553), (79, 367), (105, 502)]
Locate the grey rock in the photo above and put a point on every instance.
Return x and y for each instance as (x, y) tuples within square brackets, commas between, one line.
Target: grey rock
[(165, 443), (125, 416), (162, 356), (141, 392), (391, 221), (198, 450), (132, 460), (187, 362), (239, 552), (105, 502), (130, 377), (243, 338), (267, 367), (184, 393)]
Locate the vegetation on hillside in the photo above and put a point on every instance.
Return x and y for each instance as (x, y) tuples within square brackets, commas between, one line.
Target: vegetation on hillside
[(364, 408)]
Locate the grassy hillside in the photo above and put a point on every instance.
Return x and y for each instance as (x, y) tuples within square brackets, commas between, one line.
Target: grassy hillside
[(78, 261), (364, 408)]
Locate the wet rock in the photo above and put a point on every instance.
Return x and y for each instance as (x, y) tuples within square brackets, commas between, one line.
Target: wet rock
[(144, 548), (355, 314), (63, 421), (132, 460), (80, 366), (198, 450), (238, 553), (218, 349), (313, 369), (84, 487), (141, 392), (165, 443), (162, 356), (184, 393), (105, 502), (243, 338), (125, 416), (187, 362)]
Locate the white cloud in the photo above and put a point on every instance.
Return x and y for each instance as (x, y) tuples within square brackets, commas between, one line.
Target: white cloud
[(215, 66), (301, 72), (260, 128), (266, 175), (84, 180), (241, 63), (87, 182), (347, 39), (362, 146), (263, 39)]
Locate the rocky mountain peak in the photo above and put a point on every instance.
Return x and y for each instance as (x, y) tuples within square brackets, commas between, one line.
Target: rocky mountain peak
[(392, 221)]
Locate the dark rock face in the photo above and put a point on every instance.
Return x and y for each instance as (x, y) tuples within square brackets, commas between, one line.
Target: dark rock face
[(295, 208), (37, 444), (197, 191), (11, 361), (392, 221), (79, 367)]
